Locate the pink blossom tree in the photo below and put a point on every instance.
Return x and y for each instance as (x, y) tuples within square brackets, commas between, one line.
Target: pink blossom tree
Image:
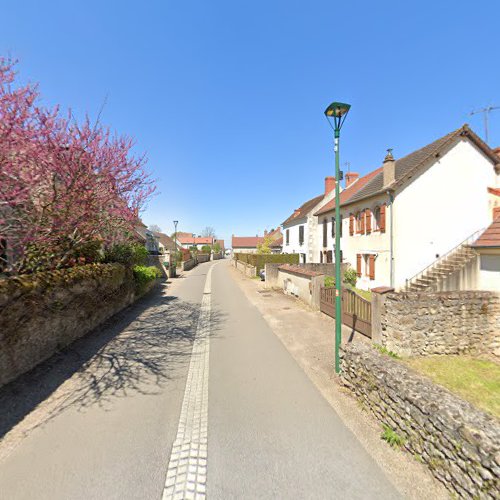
[(63, 185)]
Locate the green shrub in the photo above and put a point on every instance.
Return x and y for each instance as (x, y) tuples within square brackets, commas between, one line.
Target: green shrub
[(329, 281), (260, 260), (384, 350), (350, 276), (206, 249), (143, 275), (129, 254), (392, 437)]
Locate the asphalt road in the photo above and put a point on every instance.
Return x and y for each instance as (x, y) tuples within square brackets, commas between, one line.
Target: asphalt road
[(188, 390)]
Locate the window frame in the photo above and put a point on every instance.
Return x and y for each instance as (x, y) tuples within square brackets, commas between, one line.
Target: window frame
[(301, 234)]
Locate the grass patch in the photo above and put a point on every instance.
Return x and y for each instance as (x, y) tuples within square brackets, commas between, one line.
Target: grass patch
[(366, 294), (476, 380), (392, 437), (384, 350)]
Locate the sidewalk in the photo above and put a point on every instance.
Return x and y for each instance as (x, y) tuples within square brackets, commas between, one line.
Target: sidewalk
[(309, 337)]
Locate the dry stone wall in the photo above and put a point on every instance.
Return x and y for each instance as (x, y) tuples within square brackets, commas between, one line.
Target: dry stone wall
[(42, 313), (429, 323), (459, 443)]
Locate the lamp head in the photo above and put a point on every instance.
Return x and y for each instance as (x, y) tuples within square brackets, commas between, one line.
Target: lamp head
[(337, 111)]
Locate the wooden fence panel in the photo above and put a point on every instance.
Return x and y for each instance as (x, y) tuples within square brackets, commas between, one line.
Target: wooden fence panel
[(356, 311)]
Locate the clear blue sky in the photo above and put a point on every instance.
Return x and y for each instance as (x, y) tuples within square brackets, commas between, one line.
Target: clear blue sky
[(227, 97)]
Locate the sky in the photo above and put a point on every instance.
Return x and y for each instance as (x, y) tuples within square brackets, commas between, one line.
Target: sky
[(226, 97)]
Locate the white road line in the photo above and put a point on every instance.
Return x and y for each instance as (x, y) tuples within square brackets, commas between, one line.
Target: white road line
[(187, 468)]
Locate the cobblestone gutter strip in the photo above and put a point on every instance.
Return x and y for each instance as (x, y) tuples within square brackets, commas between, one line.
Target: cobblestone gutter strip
[(187, 468), (458, 442)]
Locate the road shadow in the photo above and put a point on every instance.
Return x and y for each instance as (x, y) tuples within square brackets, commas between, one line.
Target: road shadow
[(135, 351)]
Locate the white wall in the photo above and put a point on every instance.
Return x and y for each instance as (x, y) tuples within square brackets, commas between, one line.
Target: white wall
[(441, 208), (245, 250), (375, 243), (293, 245)]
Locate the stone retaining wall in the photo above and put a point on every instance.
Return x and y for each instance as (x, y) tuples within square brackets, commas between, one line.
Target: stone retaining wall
[(246, 269), (427, 323), (158, 261), (40, 314), (272, 275), (188, 264), (459, 443), (203, 257)]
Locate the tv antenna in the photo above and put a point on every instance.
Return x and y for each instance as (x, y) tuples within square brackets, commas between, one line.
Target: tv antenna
[(486, 113)]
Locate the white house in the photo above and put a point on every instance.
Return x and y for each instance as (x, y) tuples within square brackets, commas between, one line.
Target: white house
[(404, 217), (199, 242), (299, 229)]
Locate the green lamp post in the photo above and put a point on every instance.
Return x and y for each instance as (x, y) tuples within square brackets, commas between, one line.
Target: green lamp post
[(336, 113)]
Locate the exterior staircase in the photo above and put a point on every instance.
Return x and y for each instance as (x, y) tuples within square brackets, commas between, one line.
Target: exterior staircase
[(434, 275)]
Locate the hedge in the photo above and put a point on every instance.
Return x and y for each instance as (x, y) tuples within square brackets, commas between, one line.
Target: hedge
[(260, 260)]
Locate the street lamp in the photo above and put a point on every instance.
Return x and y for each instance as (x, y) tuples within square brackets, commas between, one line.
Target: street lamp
[(336, 113)]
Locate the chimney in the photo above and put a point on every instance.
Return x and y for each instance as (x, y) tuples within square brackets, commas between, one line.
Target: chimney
[(389, 169), (329, 184), (296, 211), (350, 177)]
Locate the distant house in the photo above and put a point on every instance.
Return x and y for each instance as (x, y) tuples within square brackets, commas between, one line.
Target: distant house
[(165, 243), (250, 244), (194, 241), (402, 219), (147, 237), (220, 243), (300, 227)]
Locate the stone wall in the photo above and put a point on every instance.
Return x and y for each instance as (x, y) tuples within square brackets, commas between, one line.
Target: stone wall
[(40, 314), (272, 275), (203, 257), (246, 269), (427, 323), (459, 443), (158, 261), (188, 264)]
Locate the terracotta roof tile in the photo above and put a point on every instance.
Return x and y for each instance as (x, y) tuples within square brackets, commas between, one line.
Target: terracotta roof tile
[(350, 191), (246, 241), (304, 209), (189, 240), (491, 236)]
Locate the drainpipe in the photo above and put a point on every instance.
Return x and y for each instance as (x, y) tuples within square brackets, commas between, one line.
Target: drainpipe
[(391, 245)]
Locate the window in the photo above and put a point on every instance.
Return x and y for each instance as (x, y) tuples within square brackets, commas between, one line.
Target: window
[(376, 219), (325, 233), (333, 227), (288, 236), (329, 257), (301, 235), (360, 222)]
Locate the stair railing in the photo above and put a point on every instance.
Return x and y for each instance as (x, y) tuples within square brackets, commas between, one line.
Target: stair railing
[(473, 237)]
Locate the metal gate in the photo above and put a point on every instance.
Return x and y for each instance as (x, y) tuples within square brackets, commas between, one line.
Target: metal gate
[(356, 311)]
